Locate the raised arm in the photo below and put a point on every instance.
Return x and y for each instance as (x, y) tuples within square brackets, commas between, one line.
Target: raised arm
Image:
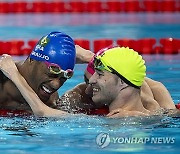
[(83, 55), (9, 68)]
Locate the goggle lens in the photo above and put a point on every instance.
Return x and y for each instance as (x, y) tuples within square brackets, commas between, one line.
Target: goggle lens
[(98, 64), (56, 69)]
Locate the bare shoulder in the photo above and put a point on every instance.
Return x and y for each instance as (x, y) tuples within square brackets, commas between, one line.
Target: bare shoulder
[(152, 82)]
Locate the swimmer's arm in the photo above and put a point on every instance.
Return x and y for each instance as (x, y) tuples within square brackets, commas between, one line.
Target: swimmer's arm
[(83, 55), (147, 98), (75, 100), (161, 94), (38, 107)]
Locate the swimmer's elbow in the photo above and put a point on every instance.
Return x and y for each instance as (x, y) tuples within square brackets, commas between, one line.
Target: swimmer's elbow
[(39, 113)]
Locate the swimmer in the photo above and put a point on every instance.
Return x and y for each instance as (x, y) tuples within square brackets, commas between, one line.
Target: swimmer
[(154, 95), (41, 109), (46, 69), (117, 82)]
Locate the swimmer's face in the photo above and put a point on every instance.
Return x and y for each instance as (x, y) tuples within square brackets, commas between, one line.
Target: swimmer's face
[(44, 82), (105, 87)]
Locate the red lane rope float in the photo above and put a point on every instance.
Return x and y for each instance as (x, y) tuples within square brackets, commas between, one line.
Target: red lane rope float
[(170, 45), (151, 5), (132, 6), (143, 46), (168, 6), (76, 6), (114, 6), (161, 6), (56, 7), (126, 43), (83, 43), (18, 7), (102, 43), (95, 6), (178, 106), (4, 47), (16, 47), (13, 113), (4, 7)]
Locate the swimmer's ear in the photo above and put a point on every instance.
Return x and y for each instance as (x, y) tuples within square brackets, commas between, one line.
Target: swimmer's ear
[(122, 83)]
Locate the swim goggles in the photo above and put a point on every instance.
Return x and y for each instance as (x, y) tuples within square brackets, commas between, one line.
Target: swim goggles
[(56, 69), (101, 65)]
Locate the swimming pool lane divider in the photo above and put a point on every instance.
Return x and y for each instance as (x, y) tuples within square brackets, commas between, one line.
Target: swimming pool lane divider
[(143, 46), (88, 6)]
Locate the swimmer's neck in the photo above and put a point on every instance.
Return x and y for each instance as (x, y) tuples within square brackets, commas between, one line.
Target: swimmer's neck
[(129, 99)]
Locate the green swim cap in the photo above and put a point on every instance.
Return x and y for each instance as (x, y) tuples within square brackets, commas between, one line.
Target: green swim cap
[(126, 62)]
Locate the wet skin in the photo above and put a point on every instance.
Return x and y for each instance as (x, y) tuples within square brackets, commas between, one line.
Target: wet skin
[(39, 78)]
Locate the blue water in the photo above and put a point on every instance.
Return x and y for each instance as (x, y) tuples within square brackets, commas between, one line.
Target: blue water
[(83, 133)]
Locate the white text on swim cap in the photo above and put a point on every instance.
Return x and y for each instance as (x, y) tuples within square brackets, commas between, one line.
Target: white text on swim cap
[(39, 47), (36, 54)]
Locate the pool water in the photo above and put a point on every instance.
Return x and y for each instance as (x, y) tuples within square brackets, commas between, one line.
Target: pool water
[(94, 134), (80, 132)]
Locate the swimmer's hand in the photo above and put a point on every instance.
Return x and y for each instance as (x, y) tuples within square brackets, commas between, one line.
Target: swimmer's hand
[(7, 66), (119, 113), (83, 55)]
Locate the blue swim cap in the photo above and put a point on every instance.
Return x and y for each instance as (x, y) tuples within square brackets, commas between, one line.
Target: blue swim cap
[(57, 48)]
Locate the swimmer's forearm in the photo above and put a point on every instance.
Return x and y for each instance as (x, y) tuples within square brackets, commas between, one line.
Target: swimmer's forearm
[(37, 106), (83, 55)]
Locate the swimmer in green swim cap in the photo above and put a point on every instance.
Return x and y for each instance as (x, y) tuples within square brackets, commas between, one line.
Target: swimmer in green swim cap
[(119, 75)]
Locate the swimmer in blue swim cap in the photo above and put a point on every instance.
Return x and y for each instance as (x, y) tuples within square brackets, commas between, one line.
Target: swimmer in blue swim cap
[(54, 59), (46, 69)]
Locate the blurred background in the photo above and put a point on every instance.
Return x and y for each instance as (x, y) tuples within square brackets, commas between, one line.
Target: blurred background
[(148, 26)]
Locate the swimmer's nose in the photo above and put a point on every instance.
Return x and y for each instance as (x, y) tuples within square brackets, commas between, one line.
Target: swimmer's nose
[(93, 79), (56, 83)]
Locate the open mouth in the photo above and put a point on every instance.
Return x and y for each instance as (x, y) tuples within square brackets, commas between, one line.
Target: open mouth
[(95, 90), (45, 92)]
